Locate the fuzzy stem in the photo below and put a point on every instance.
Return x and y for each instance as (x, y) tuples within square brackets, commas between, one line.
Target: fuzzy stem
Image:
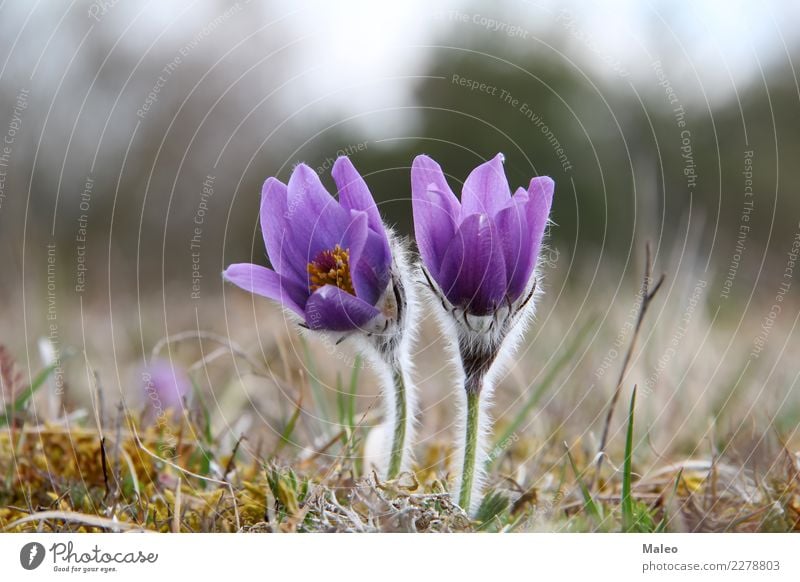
[(470, 449), (400, 420)]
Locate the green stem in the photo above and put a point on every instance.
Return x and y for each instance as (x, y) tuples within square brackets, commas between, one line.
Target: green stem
[(399, 437), (470, 449)]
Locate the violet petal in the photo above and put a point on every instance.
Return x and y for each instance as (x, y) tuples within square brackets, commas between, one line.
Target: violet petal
[(486, 189), (354, 193), (316, 218), (333, 309), (268, 283), (473, 273), (284, 257), (371, 270), (537, 210), (514, 235), (436, 212)]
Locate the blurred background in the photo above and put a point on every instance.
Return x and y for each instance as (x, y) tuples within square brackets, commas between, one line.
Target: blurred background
[(137, 136)]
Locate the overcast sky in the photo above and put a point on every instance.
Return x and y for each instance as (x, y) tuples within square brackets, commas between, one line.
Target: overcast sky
[(360, 54)]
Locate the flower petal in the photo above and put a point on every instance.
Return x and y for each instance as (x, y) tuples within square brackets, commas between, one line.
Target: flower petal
[(284, 258), (354, 193), (268, 283), (355, 234), (486, 189), (473, 272), (369, 279), (514, 234), (170, 383), (316, 220), (537, 210), (363, 245), (334, 309), (371, 269), (436, 212)]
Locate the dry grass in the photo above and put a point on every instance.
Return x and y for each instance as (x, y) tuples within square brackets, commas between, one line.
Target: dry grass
[(54, 480), (274, 437)]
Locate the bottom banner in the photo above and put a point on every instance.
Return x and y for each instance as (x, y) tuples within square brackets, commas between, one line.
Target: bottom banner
[(333, 557)]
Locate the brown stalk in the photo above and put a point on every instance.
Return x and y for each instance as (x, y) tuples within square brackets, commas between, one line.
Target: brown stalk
[(647, 298)]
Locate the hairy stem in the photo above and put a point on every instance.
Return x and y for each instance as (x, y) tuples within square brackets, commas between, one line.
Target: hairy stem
[(400, 420), (470, 449)]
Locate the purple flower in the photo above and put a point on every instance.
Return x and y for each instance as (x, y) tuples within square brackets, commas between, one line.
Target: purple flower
[(166, 386), (331, 261), (482, 251)]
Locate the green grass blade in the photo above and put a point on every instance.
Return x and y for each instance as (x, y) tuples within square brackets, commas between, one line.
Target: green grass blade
[(351, 408), (340, 401), (589, 503), (23, 398), (198, 394), (662, 525), (286, 435), (316, 388), (493, 505), (628, 521)]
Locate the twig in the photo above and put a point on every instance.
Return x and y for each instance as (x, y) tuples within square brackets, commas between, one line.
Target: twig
[(105, 467), (118, 451), (100, 402), (75, 517), (230, 464), (324, 448), (176, 515), (207, 359), (647, 298), (205, 335)]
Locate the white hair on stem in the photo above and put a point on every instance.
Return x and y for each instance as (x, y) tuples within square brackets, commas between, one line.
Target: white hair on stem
[(389, 448), (496, 338)]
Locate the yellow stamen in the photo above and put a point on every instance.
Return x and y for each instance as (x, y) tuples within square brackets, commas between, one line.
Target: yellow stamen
[(331, 267)]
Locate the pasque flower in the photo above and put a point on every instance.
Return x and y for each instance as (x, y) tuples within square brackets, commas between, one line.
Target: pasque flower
[(331, 261), (481, 251), (479, 257), (166, 387), (339, 270)]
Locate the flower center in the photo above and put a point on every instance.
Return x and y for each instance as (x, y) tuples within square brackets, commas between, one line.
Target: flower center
[(331, 267)]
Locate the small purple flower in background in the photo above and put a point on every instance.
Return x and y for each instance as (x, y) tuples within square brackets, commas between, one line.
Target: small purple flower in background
[(481, 251), (479, 258), (166, 387), (331, 261), (337, 268)]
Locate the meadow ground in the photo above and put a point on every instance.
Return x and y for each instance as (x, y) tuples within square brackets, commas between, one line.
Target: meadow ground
[(273, 436)]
